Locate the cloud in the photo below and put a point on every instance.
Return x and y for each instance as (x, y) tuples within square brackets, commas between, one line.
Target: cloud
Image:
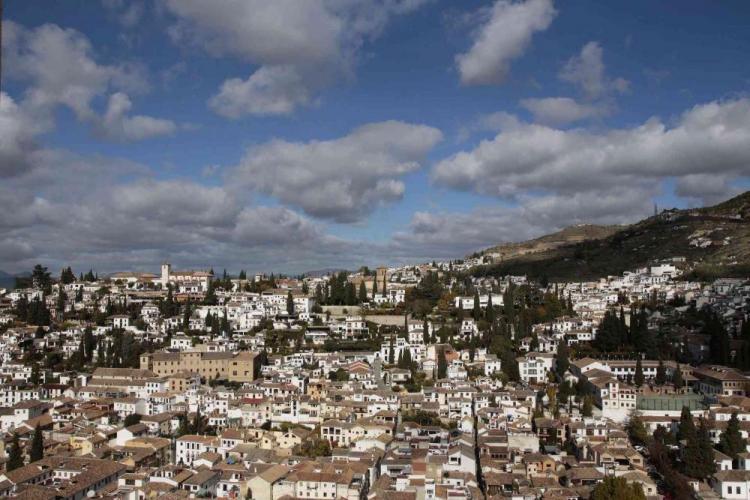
[(505, 35), (17, 137), (300, 47), (452, 234), (272, 90), (340, 179), (127, 14), (710, 138), (561, 110), (60, 67), (587, 71), (112, 214), (706, 189), (116, 125)]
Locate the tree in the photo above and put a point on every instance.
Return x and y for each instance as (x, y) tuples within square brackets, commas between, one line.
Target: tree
[(661, 374), (477, 311), (442, 365), (289, 303), (362, 291), (686, 428), (588, 407), (15, 455), (425, 332), (677, 378), (731, 441), (37, 445), (132, 419), (637, 430), (374, 287), (698, 454), (35, 377), (638, 373), (617, 488), (563, 362), (67, 276), (391, 353), (40, 278)]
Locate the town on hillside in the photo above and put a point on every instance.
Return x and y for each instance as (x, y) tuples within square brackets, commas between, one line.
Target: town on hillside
[(414, 382)]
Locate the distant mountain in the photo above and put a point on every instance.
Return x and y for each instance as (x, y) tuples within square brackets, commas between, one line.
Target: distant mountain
[(715, 242), (7, 280), (322, 272)]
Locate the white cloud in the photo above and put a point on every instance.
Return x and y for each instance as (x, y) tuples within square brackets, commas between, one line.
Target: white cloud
[(116, 125), (451, 234), (111, 214), (711, 139), (17, 137), (300, 47), (128, 14), (60, 67), (340, 179), (503, 37), (561, 110), (587, 71), (271, 90)]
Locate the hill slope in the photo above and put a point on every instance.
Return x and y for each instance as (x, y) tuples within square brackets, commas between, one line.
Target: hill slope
[(567, 236), (714, 240)]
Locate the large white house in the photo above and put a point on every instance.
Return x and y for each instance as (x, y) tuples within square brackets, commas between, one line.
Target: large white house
[(185, 281)]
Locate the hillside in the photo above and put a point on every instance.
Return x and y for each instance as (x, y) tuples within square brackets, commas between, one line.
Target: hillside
[(714, 240), (567, 236)]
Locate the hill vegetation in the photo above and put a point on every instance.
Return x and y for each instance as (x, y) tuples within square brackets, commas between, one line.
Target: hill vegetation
[(715, 242)]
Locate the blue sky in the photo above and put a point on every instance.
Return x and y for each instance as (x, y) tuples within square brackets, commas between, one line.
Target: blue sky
[(293, 135)]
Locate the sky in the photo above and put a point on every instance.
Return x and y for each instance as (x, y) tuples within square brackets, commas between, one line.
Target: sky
[(296, 135)]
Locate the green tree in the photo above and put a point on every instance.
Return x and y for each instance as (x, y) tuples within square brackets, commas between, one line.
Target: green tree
[(588, 406), (37, 445), (563, 361), (686, 428), (15, 455), (698, 454), (425, 332), (477, 311), (731, 441), (637, 430), (442, 365), (661, 374), (677, 378), (289, 303), (638, 379), (617, 488), (132, 419), (362, 291), (40, 278)]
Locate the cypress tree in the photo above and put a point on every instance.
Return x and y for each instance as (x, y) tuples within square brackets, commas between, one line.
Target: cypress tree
[(563, 362), (677, 378), (686, 428), (477, 312), (442, 365), (289, 303), (37, 445), (362, 291), (731, 441), (661, 374), (638, 373), (374, 287), (425, 332), (15, 456)]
